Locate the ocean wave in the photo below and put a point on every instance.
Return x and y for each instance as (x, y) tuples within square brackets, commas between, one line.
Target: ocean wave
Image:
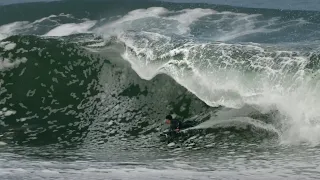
[(113, 81)]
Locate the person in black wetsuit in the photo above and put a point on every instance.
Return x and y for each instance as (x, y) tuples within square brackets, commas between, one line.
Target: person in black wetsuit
[(174, 129), (176, 125)]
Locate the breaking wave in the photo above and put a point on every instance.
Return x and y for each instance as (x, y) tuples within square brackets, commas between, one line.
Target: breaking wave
[(69, 80)]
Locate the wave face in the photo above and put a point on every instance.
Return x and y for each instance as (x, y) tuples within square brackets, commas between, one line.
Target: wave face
[(99, 75)]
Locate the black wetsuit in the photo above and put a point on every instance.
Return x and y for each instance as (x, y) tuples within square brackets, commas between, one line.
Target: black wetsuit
[(175, 124), (178, 125)]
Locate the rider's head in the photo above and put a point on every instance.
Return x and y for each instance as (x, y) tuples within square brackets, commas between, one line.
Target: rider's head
[(168, 119)]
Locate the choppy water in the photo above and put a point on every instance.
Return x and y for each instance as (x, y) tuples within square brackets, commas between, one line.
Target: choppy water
[(85, 87), (226, 161)]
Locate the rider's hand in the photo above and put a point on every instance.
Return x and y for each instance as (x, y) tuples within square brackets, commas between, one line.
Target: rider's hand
[(177, 130)]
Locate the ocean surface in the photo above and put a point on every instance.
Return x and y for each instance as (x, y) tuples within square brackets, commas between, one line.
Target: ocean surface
[(85, 87)]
